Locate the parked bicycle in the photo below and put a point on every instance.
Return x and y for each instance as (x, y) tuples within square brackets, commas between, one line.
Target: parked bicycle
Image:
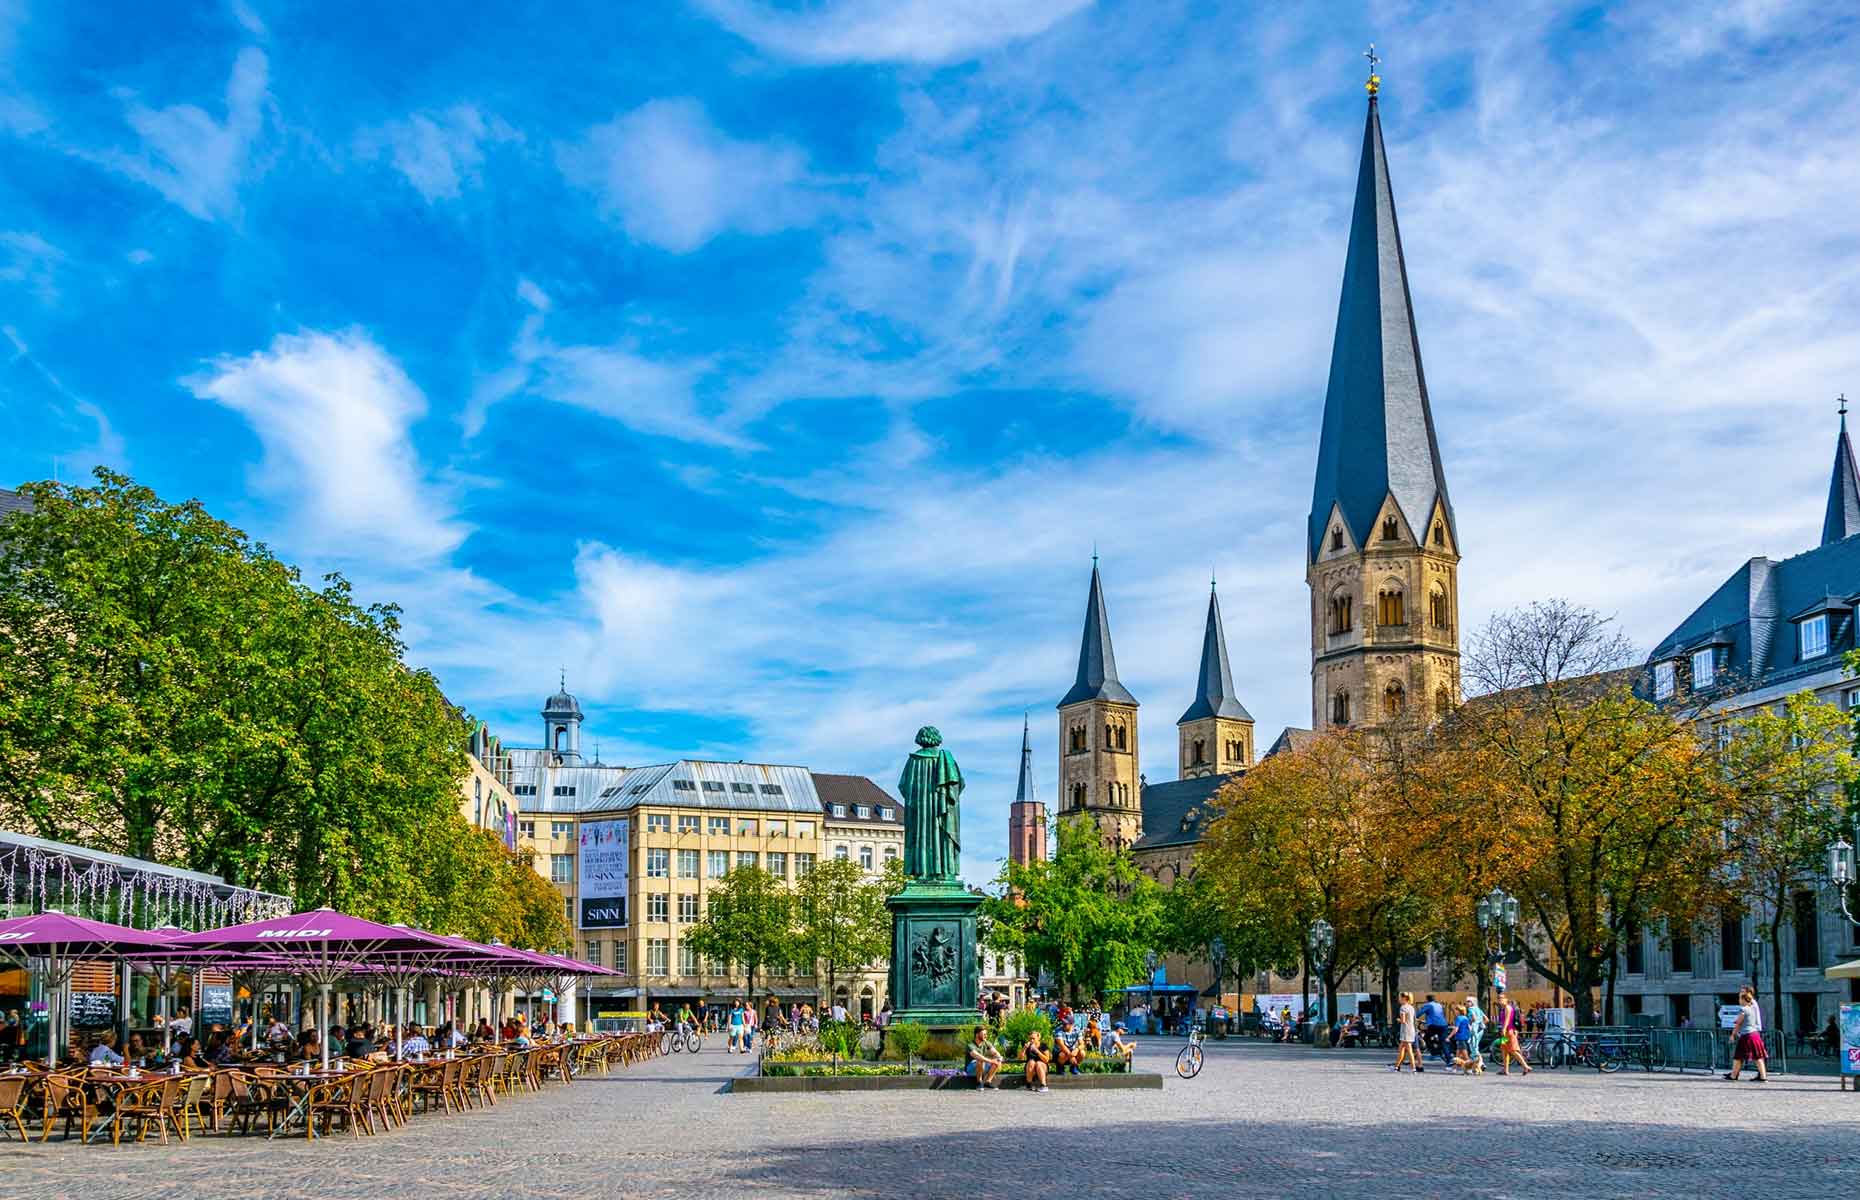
[(1188, 1062)]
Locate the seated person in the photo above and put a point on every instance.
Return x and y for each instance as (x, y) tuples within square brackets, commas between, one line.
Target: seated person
[(1036, 1059), (1094, 1036), (450, 1038), (1068, 1051), (277, 1033), (984, 1059), (484, 1032), (104, 1054), (360, 1043), (309, 1049), (1119, 1045), (136, 1051), (413, 1042), (219, 1052)]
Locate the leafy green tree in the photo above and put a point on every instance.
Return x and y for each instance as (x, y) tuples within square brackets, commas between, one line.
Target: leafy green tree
[(1783, 772), (841, 919), (749, 922), (1088, 915)]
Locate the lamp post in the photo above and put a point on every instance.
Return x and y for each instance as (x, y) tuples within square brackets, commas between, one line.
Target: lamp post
[(1841, 871), (1149, 964), (1217, 952), (1496, 914), (1320, 940)]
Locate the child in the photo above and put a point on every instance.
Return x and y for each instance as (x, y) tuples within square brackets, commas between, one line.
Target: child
[(1462, 1040)]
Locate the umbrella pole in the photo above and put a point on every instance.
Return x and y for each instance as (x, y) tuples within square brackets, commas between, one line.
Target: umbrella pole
[(322, 1021)]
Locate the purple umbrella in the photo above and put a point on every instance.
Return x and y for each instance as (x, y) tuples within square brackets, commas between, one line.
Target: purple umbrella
[(323, 946), (64, 942)]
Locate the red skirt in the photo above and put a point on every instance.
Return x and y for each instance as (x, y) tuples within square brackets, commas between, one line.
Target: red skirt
[(1750, 1047)]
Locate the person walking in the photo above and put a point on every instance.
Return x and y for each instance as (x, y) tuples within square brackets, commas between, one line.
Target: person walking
[(738, 1025), (1747, 1038), (1434, 1029), (1407, 1049), (1510, 1036), (1475, 1017)]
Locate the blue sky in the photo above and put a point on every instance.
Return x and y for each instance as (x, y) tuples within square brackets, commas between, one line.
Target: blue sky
[(775, 368)]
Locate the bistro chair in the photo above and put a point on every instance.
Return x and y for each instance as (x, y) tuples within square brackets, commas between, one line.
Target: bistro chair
[(478, 1074), (194, 1099), (429, 1084), (13, 1104), (67, 1097), (381, 1096), (159, 1101), (338, 1099)]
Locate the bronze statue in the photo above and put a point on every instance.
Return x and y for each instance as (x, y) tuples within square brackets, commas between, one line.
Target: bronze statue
[(932, 790)]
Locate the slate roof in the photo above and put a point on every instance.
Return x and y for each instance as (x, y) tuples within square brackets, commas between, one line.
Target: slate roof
[(1291, 738), (1097, 677), (1750, 615), (12, 502), (1214, 689), (1843, 516), (1174, 812), (854, 791), (1378, 434)]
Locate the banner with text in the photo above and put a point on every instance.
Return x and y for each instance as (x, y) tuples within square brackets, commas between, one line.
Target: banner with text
[(602, 870)]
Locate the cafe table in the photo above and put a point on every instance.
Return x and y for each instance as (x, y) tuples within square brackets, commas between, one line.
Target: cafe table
[(112, 1083), (299, 1083)]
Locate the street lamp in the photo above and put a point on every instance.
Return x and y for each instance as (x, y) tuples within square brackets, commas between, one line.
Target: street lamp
[(1497, 917), (1841, 871), (1149, 964), (1756, 961), (1320, 940)]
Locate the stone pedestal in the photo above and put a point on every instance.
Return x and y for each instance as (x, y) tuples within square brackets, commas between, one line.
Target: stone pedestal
[(935, 960)]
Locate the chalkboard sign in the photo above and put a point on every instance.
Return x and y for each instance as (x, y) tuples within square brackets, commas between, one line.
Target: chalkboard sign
[(215, 1007), (93, 1010)]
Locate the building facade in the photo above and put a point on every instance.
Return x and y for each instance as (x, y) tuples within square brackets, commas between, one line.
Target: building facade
[(866, 826), (1773, 629)]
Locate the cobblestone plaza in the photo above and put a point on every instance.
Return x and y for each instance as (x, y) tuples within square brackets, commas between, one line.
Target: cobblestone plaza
[(1259, 1121)]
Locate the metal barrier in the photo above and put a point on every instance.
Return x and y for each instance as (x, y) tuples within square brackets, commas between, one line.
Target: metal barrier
[(1707, 1050)]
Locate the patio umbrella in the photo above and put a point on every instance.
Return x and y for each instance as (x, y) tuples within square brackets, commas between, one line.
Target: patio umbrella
[(64, 942), (322, 947)]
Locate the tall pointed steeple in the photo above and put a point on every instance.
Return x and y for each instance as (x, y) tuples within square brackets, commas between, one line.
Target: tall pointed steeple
[(1023, 792), (1214, 692), (1843, 519), (1378, 434), (1097, 677)]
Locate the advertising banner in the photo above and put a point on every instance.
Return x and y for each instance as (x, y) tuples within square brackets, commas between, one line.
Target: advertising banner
[(215, 1006), (602, 871), (1850, 1039)]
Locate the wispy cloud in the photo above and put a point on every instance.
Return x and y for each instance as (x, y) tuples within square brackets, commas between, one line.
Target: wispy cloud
[(334, 414), (929, 31), (672, 179), (440, 153), (187, 155), (32, 262)]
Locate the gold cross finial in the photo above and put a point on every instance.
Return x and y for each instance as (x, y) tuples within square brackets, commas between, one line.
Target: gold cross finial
[(1375, 81)]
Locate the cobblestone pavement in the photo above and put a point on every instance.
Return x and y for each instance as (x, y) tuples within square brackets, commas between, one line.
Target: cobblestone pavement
[(1261, 1120)]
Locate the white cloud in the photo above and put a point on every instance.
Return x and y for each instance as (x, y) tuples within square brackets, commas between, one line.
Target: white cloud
[(440, 153), (673, 180), (32, 262), (929, 31), (334, 413), (194, 160)]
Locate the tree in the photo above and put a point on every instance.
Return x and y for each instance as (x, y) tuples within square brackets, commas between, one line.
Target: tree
[(1088, 915), (841, 919), (171, 691), (1783, 771), (749, 922), (1206, 906), (1599, 807)]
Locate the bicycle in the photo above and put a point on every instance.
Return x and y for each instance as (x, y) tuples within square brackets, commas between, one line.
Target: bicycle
[(1188, 1061), (688, 1040)]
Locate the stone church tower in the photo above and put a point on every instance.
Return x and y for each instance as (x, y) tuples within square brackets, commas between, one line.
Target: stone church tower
[(1027, 816), (1098, 735), (1383, 551), (1215, 735)]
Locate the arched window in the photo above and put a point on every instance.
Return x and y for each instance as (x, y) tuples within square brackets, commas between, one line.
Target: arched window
[(1340, 614), (1437, 613), (1391, 529), (1078, 795), (1340, 708), (1336, 538), (1078, 739), (1389, 608), (1122, 744), (561, 738), (1110, 736), (1201, 753), (1443, 703), (1393, 698)]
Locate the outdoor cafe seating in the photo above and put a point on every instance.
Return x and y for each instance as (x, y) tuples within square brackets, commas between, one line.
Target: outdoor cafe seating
[(252, 1096)]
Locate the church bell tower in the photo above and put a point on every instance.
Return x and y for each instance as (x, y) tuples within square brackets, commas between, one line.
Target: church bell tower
[(1098, 734)]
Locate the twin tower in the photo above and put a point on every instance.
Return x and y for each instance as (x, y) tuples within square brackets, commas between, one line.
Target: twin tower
[(1381, 561)]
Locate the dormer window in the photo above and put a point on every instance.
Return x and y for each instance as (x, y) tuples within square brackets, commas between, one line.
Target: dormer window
[(1704, 664), (1440, 534), (1664, 675), (1336, 538), (1812, 636), (1390, 529)]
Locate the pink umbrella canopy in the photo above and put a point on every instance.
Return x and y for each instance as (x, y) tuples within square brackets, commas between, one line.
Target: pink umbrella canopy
[(57, 934), (322, 934)]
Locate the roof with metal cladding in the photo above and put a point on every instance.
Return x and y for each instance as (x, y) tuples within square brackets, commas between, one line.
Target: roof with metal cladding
[(544, 782)]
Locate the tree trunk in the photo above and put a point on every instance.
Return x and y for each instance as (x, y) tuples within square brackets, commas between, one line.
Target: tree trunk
[(1330, 998), (1774, 1022)]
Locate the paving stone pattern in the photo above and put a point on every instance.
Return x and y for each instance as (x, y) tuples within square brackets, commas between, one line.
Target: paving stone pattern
[(1260, 1120)]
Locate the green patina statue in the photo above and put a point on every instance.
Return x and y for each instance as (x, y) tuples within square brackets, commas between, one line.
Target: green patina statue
[(932, 790)]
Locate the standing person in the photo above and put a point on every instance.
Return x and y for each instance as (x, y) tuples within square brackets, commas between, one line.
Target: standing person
[(1510, 1035), (1434, 1028), (1407, 1050), (1747, 1038), (1475, 1018), (736, 1025), (12, 1037)]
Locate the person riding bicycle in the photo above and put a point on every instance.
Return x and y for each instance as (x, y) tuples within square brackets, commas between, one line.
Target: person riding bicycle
[(687, 1021)]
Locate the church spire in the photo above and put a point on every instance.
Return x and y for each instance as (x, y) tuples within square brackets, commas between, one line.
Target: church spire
[(1214, 690), (1378, 433), (1097, 677), (1024, 791), (1843, 519)]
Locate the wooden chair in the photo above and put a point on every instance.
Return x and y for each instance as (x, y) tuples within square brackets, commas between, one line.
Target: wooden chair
[(66, 1097), (382, 1096), (13, 1104), (477, 1078), (338, 1099), (158, 1101), (250, 1097), (194, 1098), (429, 1084)]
